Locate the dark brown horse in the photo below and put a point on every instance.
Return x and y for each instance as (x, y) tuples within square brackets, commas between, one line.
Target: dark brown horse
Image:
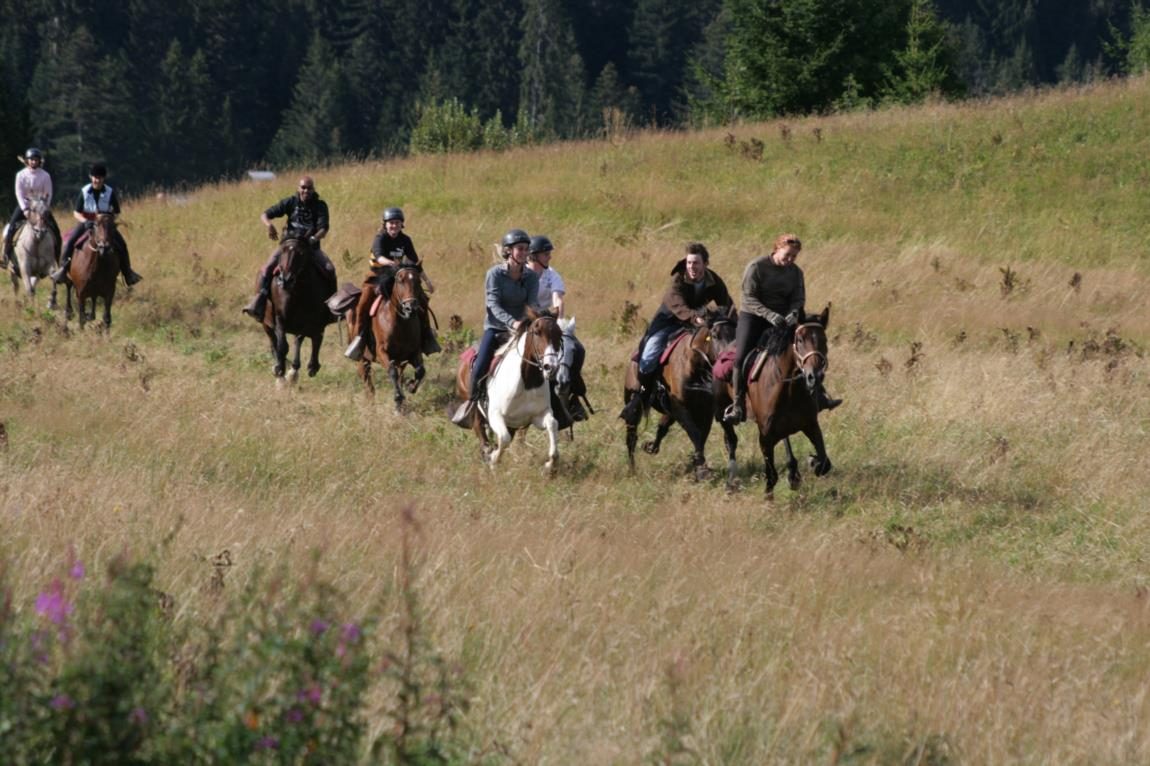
[(518, 394), (690, 398), (396, 329), (297, 306), (93, 272), (782, 401)]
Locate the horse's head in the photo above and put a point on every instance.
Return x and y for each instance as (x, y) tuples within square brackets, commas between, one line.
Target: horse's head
[(103, 229), (717, 332), (38, 215), (543, 345), (405, 292), (294, 254), (810, 348)]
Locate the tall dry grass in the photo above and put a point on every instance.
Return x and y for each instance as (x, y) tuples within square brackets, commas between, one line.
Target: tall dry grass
[(969, 583)]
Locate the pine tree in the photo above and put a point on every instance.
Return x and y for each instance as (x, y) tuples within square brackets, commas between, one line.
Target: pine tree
[(185, 128), (924, 67), (552, 94), (660, 41), (313, 126)]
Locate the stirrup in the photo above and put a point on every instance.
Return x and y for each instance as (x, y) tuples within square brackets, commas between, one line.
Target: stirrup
[(58, 275), (734, 413), (355, 349), (132, 278)]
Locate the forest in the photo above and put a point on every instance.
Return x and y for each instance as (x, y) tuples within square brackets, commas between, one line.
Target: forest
[(177, 92)]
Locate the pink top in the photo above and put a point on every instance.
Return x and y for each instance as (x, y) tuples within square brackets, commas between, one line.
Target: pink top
[(31, 184)]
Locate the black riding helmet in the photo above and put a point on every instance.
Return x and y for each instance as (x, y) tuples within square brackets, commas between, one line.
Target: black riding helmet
[(33, 152), (393, 214), (540, 244), (515, 237)]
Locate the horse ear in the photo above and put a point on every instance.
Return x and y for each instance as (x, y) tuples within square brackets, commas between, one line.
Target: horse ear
[(825, 317)]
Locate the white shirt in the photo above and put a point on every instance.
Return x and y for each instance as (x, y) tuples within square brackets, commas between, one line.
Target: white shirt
[(32, 183), (549, 283)]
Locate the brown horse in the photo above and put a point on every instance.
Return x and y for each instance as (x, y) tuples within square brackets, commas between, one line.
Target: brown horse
[(93, 272), (396, 329), (518, 394), (297, 306), (690, 398), (782, 401)]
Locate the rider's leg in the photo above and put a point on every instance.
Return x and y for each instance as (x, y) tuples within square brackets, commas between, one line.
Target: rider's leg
[(258, 305), (749, 329), (7, 254), (823, 400), (477, 385), (326, 267), (130, 277), (578, 386), (69, 250), (362, 320), (429, 343), (648, 373), (55, 227)]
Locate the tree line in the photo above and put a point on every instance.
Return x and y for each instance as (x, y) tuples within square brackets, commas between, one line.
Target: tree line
[(180, 91)]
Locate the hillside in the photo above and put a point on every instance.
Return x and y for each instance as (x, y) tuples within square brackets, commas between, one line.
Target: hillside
[(968, 584)]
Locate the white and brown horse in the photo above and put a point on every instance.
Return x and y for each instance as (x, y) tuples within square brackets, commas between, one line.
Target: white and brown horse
[(35, 249)]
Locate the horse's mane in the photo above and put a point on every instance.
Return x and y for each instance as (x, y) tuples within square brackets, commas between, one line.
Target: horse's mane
[(776, 340)]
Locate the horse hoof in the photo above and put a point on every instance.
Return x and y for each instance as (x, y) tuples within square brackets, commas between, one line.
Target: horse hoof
[(703, 473), (794, 482), (311, 371), (651, 448)]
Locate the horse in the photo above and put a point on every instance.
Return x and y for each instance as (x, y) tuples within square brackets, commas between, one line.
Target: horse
[(518, 394), (296, 306), (34, 246), (397, 329), (686, 377), (782, 401), (93, 272)]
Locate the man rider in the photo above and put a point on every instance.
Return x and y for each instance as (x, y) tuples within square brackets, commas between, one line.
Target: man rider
[(307, 216), (97, 198)]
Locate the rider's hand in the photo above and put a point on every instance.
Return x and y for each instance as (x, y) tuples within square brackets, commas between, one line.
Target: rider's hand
[(272, 231), (699, 320), (792, 319), (313, 241), (776, 320)]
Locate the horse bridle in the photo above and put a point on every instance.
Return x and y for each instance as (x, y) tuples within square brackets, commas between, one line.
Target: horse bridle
[(801, 358), (406, 307), (285, 276), (536, 360)]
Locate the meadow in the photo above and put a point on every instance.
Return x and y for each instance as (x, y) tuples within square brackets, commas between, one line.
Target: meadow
[(969, 585)]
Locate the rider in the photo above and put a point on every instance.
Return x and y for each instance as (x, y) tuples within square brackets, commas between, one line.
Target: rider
[(551, 296), (31, 182), (773, 296), (511, 289), (391, 250), (95, 199), (693, 287), (307, 217)]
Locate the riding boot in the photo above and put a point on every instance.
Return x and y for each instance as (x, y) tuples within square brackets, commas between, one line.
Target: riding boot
[(59, 274), (9, 252), (354, 350), (430, 342), (736, 412), (258, 306), (463, 411), (823, 399), (576, 409), (130, 277), (641, 400)]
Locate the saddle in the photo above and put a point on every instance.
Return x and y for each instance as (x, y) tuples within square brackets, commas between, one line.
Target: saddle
[(724, 367), (674, 340), (467, 356)]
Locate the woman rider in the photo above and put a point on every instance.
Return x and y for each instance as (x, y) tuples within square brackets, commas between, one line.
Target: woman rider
[(773, 296), (511, 288)]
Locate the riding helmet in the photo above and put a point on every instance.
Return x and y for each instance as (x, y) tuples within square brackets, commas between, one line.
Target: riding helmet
[(515, 237), (393, 214), (98, 170), (540, 244), (33, 152)]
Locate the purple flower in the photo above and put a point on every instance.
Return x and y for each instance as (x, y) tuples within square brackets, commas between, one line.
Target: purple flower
[(312, 694), (319, 626), (268, 743), (77, 571), (294, 715), (53, 604), (138, 716), (62, 702), (351, 632)]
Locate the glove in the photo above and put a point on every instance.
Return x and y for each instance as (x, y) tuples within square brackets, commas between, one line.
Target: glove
[(792, 319), (776, 320), (313, 242)]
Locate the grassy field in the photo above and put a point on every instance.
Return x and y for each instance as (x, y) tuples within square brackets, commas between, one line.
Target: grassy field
[(970, 584)]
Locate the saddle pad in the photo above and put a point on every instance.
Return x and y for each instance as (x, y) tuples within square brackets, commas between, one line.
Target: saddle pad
[(676, 340), (467, 356), (755, 363), (344, 299), (724, 365)]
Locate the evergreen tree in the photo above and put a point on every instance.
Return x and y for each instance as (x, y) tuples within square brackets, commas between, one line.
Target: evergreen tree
[(57, 105), (477, 61), (611, 100), (313, 127), (925, 66), (661, 37), (185, 126), (552, 94)]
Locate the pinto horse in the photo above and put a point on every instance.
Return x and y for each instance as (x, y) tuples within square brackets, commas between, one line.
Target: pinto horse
[(397, 330), (686, 377), (93, 272), (297, 307), (35, 249), (782, 401), (518, 394)]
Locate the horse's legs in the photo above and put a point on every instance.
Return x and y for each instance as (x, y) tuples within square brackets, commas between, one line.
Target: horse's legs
[(697, 433), (107, 310), (767, 445), (665, 423), (297, 353), (313, 362), (794, 479), (551, 425), (364, 369), (821, 461), (52, 302), (420, 373), (502, 439), (279, 349), (68, 312), (731, 442), (393, 372)]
